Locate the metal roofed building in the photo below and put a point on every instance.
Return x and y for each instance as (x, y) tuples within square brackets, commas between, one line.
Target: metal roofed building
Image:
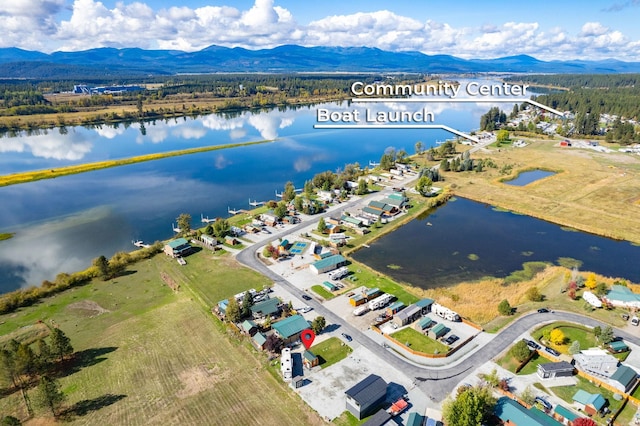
[(596, 361), (621, 296), (365, 397), (266, 307), (512, 413), (289, 329), (328, 264), (408, 315), (591, 403), (178, 247), (624, 379)]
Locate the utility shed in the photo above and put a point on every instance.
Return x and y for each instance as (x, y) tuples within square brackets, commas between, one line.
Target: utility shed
[(415, 419), (438, 331), (425, 323), (328, 264), (618, 346), (425, 305), (408, 315), (366, 396)]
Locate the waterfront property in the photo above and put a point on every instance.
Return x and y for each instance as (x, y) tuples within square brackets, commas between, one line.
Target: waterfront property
[(367, 396), (177, 248), (408, 315)]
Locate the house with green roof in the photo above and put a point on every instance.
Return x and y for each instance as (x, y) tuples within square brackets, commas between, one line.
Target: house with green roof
[(590, 403), (289, 329), (425, 305), (415, 419), (624, 379), (309, 359), (328, 264), (511, 412), (621, 296), (249, 327), (266, 307), (259, 340), (177, 248), (618, 346)]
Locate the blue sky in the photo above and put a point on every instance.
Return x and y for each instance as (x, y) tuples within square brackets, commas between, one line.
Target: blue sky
[(562, 29)]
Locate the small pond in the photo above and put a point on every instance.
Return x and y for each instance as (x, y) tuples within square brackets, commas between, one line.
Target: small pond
[(525, 178)]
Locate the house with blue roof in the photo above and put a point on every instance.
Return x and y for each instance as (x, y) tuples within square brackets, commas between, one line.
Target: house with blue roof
[(621, 296), (590, 403)]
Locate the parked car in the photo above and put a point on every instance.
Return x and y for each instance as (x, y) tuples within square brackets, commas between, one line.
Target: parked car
[(531, 344), (543, 402), (347, 337), (451, 339), (552, 351), (305, 297), (304, 309), (543, 310)]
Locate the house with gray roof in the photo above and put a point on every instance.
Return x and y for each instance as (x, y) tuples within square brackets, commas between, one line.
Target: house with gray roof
[(596, 361), (551, 370)]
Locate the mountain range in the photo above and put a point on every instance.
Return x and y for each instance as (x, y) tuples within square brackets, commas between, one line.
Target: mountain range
[(112, 62)]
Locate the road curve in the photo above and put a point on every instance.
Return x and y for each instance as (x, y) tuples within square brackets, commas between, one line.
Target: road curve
[(436, 382)]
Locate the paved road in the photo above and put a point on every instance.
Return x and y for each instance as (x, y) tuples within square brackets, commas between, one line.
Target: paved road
[(436, 382)]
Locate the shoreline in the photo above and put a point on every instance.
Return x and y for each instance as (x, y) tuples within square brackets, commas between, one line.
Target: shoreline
[(35, 175)]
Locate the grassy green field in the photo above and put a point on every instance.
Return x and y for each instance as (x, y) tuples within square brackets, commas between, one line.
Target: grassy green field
[(419, 342), (322, 292), (153, 356), (572, 333), (566, 393), (331, 351), (532, 365)]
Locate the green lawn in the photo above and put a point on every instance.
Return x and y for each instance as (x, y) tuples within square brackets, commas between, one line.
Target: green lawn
[(348, 419), (627, 414), (419, 342), (508, 362), (212, 277), (566, 393), (331, 351), (152, 356), (322, 291), (572, 332), (532, 365)]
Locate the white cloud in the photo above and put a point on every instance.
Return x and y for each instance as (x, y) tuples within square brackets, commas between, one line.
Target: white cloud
[(71, 147), (36, 24)]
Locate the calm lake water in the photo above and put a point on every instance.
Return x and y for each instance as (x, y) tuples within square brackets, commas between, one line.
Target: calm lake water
[(443, 252), (61, 224), (525, 178)]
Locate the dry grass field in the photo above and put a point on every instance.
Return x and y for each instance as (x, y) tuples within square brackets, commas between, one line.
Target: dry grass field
[(593, 192), (152, 356)]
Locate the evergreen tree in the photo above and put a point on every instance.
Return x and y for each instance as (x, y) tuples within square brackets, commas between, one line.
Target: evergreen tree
[(44, 354), (318, 324), (233, 310), (102, 265), (289, 192), (419, 147), (322, 226), (49, 395), (504, 308), (444, 165), (184, 223), (60, 343), (308, 189), (363, 187), (247, 303)]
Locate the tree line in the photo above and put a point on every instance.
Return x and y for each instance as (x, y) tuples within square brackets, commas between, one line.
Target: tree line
[(22, 367)]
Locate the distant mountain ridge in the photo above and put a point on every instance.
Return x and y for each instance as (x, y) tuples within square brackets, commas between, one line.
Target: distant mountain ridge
[(105, 62)]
